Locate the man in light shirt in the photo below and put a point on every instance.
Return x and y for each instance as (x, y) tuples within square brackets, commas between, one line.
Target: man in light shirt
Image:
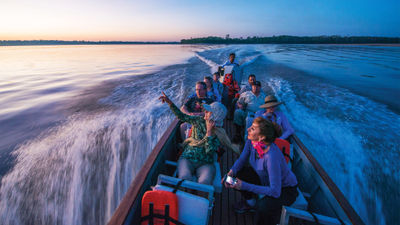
[(248, 103)]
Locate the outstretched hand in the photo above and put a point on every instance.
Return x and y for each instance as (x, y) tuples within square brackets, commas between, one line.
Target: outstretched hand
[(164, 98)]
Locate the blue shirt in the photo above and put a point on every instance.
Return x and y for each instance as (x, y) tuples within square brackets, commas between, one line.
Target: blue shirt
[(219, 86), (272, 170), (214, 94), (279, 118), (237, 73)]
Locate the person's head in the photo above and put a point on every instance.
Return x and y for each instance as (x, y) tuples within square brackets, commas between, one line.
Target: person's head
[(216, 112), (252, 79), (232, 57), (271, 103), (263, 130), (208, 81), (216, 76), (201, 89), (256, 87)]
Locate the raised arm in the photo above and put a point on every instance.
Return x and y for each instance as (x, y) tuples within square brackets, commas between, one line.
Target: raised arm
[(178, 113)]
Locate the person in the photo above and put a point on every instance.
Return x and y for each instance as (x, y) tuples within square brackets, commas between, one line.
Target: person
[(193, 105), (237, 74), (231, 79), (199, 149), (268, 174), (253, 100), (270, 113), (218, 85), (212, 92), (251, 79)]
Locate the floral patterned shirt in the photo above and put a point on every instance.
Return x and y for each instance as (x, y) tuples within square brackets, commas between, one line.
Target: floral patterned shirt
[(203, 154)]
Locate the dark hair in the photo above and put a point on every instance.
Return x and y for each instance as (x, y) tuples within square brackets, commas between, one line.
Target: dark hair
[(216, 73), (232, 54), (208, 78), (252, 75), (258, 83), (270, 130), (202, 84)]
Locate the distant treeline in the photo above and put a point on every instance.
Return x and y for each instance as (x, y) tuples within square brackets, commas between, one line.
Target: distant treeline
[(285, 39), (56, 42)]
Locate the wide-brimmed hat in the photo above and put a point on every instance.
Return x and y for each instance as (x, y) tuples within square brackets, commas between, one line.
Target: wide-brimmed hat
[(270, 101), (218, 110)]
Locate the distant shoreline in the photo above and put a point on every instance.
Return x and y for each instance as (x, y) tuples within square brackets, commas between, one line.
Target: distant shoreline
[(372, 41), (57, 42), (287, 39)]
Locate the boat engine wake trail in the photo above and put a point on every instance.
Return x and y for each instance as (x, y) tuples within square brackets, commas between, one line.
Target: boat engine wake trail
[(77, 172)]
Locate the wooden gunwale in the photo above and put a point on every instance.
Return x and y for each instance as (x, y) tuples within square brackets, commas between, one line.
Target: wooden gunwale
[(340, 198), (122, 211)]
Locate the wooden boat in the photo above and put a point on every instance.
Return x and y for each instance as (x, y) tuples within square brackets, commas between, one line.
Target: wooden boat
[(326, 202)]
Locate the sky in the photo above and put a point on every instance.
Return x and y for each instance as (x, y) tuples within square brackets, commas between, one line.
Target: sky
[(173, 20)]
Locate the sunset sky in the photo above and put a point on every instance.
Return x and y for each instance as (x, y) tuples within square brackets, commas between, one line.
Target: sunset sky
[(173, 20)]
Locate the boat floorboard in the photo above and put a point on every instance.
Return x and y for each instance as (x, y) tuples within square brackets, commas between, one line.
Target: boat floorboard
[(223, 212)]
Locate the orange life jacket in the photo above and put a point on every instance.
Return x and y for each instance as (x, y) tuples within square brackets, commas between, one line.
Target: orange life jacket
[(284, 146), (232, 85), (154, 205)]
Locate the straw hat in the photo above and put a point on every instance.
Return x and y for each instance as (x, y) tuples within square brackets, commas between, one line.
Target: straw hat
[(270, 101)]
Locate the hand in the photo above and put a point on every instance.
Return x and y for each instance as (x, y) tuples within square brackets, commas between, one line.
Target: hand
[(210, 125), (230, 173), (164, 98), (238, 184)]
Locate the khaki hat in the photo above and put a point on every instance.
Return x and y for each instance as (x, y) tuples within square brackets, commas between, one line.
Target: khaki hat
[(270, 101)]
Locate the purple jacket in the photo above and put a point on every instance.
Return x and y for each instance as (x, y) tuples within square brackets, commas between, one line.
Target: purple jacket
[(272, 169)]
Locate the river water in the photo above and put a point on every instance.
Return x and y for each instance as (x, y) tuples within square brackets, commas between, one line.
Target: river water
[(77, 122)]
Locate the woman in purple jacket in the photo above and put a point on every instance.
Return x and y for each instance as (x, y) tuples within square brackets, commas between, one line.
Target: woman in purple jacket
[(268, 176)]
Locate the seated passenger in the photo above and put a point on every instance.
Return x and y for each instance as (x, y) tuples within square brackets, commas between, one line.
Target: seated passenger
[(193, 105), (199, 149), (218, 85), (212, 92), (253, 100), (251, 79), (270, 113), (268, 174)]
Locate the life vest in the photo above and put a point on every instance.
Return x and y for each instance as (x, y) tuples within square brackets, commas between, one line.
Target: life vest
[(232, 85), (159, 206), (284, 146)]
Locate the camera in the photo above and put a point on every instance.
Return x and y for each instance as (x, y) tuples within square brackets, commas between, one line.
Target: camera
[(230, 180)]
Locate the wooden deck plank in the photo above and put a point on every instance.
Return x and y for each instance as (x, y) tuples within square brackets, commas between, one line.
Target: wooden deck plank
[(223, 212)]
